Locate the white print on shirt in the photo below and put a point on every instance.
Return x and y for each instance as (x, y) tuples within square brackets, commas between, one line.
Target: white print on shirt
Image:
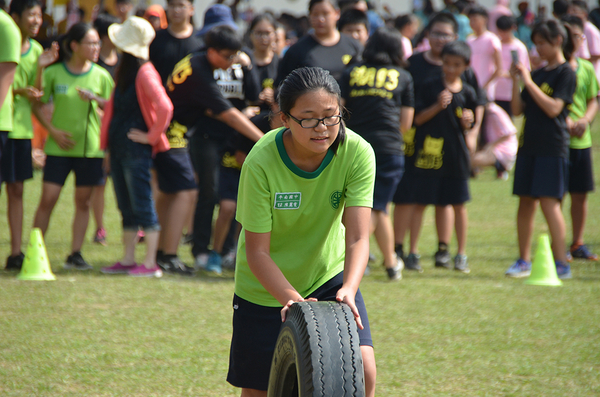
[(231, 81), (287, 201)]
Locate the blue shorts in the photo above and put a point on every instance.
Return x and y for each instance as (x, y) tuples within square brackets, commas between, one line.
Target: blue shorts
[(388, 172), (255, 332), (16, 162), (581, 173), (88, 171), (405, 189), (229, 181), (441, 191), (537, 176), (174, 171)]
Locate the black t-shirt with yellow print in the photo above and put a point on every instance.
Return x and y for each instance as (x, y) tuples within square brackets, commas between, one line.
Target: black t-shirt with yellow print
[(440, 147), (542, 135), (309, 52), (193, 91)]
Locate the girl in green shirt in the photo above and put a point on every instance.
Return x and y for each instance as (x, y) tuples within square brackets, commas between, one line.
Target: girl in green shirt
[(78, 88)]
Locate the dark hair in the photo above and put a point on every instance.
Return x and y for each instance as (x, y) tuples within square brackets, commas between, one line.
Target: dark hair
[(18, 7), (263, 17), (461, 5), (458, 48), (506, 22), (572, 20), (102, 22), (123, 1), (127, 70), (308, 79), (560, 7), (478, 10), (223, 37), (312, 3), (402, 20), (76, 33), (550, 30), (443, 17), (580, 4), (353, 16), (384, 47)]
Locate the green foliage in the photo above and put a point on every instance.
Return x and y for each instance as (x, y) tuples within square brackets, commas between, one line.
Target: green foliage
[(440, 333)]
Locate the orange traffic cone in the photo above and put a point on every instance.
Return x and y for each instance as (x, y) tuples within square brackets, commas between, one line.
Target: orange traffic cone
[(543, 268), (36, 265)]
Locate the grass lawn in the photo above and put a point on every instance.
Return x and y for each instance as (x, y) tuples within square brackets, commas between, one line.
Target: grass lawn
[(439, 333)]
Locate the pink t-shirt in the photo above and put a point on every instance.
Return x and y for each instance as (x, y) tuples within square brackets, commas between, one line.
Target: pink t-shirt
[(482, 58), (407, 47), (501, 133), (591, 44), (504, 84), (423, 46)]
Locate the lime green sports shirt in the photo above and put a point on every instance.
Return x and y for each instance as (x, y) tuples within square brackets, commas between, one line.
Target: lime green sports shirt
[(10, 52), (71, 113), (302, 211), (587, 88), (25, 76)]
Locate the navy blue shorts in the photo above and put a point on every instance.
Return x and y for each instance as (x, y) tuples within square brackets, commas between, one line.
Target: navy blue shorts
[(441, 191), (16, 162), (388, 172), (174, 171), (537, 176), (405, 189), (255, 332), (229, 181), (88, 171), (581, 173), (3, 143)]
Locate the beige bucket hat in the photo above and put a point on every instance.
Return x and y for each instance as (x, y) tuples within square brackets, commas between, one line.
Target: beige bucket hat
[(132, 36)]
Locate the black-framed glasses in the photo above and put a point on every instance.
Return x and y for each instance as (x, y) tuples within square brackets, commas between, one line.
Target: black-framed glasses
[(329, 121)]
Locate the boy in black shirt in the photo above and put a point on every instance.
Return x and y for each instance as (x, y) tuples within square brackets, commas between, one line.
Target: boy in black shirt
[(443, 139), (423, 66), (198, 100)]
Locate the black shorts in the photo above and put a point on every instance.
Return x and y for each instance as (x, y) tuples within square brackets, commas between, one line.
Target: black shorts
[(16, 162), (229, 181), (537, 176), (88, 171), (405, 188), (174, 171), (255, 332), (3, 143), (388, 172), (581, 173), (441, 191), (505, 105)]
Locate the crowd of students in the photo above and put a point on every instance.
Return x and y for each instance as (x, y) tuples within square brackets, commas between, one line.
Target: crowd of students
[(170, 113)]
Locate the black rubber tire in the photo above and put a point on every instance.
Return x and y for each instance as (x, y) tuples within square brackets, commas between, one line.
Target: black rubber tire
[(317, 353)]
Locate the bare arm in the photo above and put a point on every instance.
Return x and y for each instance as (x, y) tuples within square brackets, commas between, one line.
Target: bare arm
[(236, 120), (498, 72), (406, 118), (7, 75), (549, 105), (516, 104), (444, 99)]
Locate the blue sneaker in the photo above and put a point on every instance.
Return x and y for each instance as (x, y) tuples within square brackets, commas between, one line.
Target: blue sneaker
[(563, 270), (214, 263), (519, 269)]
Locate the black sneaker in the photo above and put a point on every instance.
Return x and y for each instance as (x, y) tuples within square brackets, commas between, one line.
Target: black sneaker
[(15, 262), (160, 261), (76, 261), (395, 273), (412, 263), (442, 259), (173, 264)]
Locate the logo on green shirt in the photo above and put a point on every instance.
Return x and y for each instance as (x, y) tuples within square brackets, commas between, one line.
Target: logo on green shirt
[(287, 201), (335, 199), (61, 88)]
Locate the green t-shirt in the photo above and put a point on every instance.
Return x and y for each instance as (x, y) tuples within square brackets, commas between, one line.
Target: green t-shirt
[(10, 51), (587, 88), (25, 76), (71, 113), (302, 211)]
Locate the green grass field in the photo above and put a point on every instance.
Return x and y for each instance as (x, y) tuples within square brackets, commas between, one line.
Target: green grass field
[(439, 333)]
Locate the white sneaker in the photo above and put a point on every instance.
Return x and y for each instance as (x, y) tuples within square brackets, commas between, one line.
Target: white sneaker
[(229, 260), (201, 261)]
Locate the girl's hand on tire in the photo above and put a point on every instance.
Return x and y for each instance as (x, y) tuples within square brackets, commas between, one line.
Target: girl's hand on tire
[(286, 308), (346, 296)]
